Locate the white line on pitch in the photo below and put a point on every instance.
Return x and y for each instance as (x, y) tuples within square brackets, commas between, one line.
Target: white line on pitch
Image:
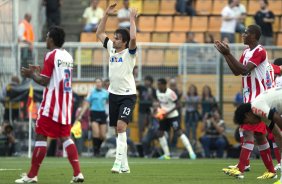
[(10, 169)]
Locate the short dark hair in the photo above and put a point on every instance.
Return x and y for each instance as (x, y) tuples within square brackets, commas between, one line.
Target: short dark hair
[(149, 78), (239, 114), (162, 81), (278, 61), (58, 35), (255, 29), (265, 2), (125, 35)]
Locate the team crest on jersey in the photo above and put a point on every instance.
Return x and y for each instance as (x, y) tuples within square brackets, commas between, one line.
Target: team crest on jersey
[(116, 60), (268, 81)]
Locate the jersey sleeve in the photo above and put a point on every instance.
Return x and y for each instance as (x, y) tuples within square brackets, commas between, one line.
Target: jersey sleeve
[(48, 65), (276, 69), (258, 57), (88, 97), (108, 44)]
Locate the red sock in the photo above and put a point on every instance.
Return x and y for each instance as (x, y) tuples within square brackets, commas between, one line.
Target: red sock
[(246, 150), (276, 152), (265, 154), (38, 155), (72, 156)]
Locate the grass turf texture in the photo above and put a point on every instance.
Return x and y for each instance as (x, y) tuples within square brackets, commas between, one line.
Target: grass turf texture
[(143, 171)]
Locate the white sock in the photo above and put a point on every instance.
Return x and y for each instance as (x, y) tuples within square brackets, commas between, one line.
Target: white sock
[(186, 143), (163, 143), (124, 161), (120, 149)]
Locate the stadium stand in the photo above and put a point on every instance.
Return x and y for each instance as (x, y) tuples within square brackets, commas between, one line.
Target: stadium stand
[(167, 7), (151, 7), (181, 23), (177, 37), (203, 7), (218, 5), (199, 24), (146, 23), (163, 23)]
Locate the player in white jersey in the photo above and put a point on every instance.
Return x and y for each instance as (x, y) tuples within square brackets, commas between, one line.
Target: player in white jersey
[(122, 89), (267, 107), (56, 107), (254, 68), (168, 103)]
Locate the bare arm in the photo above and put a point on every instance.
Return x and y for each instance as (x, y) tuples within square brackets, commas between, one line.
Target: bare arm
[(35, 75), (132, 42), (100, 33), (85, 106), (236, 67)]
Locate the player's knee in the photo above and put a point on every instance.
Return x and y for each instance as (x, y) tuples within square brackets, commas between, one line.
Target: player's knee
[(121, 126), (160, 133), (40, 137), (179, 132)]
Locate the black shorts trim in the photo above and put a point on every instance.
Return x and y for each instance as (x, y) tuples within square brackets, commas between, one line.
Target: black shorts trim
[(121, 107), (98, 116)]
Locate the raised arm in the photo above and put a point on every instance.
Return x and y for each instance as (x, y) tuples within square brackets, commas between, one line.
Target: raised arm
[(100, 33), (132, 42), (236, 67)]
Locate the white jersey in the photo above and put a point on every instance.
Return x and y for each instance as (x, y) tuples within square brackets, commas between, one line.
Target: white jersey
[(121, 70), (228, 26), (57, 96), (258, 80), (168, 102), (266, 101)]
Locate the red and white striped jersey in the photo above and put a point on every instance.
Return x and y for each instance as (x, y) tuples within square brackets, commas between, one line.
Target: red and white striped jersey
[(258, 80), (57, 100)]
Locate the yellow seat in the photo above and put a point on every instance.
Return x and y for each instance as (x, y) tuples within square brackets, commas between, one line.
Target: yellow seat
[(98, 56), (199, 37), (144, 37), (167, 7), (171, 57), (163, 24), (218, 5), (146, 23), (181, 23), (112, 23), (279, 39), (199, 24), (151, 7), (203, 7), (86, 56), (214, 23), (177, 37), (137, 4), (103, 4), (155, 57), (275, 6), (160, 37), (88, 37), (276, 25), (253, 7)]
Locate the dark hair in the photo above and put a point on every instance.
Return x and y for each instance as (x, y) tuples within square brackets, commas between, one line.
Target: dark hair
[(278, 61), (196, 90), (255, 29), (58, 35), (149, 78), (203, 92), (125, 35), (162, 81), (239, 114), (265, 2)]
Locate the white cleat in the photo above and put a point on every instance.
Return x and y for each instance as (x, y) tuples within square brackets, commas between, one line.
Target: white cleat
[(77, 179), (124, 170), (26, 179), (277, 167), (116, 168)]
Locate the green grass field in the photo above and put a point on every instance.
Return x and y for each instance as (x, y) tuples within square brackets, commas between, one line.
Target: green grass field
[(143, 171)]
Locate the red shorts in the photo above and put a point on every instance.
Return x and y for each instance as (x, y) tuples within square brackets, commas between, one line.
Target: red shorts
[(50, 128), (260, 127)]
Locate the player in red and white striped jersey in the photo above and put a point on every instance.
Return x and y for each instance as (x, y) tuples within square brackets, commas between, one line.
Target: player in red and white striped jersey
[(256, 78), (57, 96), (56, 107)]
